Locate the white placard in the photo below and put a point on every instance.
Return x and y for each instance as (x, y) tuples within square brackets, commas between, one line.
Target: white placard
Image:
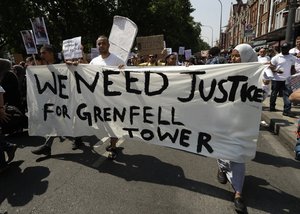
[(188, 54), (169, 51), (122, 36), (181, 51), (72, 48), (29, 42), (40, 31)]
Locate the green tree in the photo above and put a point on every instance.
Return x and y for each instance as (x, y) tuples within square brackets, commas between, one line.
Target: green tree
[(89, 18), (168, 17)]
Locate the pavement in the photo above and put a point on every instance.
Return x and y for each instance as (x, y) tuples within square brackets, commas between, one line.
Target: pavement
[(282, 126)]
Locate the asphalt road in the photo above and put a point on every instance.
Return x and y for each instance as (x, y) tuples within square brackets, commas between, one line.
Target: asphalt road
[(143, 179)]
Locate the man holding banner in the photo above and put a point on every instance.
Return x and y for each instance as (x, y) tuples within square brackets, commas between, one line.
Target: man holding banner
[(48, 58), (106, 58)]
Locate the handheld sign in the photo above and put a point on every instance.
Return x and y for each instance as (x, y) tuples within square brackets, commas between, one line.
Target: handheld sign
[(29, 42), (72, 48), (122, 36), (39, 31)]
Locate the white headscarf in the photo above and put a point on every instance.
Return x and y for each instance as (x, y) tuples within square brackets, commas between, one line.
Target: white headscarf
[(246, 52)]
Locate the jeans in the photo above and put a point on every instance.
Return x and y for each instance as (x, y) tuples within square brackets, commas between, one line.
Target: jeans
[(278, 86)]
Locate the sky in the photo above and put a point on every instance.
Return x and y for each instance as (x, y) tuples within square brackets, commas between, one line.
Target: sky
[(207, 12)]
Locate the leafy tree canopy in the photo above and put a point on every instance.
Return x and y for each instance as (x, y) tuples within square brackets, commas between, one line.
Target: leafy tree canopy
[(89, 18)]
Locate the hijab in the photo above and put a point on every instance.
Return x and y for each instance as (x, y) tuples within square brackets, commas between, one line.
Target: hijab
[(246, 52)]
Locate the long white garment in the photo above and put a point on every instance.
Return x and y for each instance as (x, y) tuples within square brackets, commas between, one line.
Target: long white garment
[(235, 173)]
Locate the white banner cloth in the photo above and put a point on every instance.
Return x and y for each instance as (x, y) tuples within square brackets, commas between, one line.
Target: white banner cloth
[(212, 110)]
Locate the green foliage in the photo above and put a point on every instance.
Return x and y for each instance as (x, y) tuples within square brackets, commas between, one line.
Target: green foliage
[(89, 18)]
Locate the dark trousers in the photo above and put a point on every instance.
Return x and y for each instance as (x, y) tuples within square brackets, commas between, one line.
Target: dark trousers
[(280, 86), (2, 156), (4, 147)]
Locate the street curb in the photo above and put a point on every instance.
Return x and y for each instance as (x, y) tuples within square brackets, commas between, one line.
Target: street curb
[(285, 128)]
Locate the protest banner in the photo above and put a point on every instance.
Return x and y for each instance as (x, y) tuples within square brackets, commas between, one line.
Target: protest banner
[(122, 36), (212, 110), (72, 48), (28, 41), (40, 31)]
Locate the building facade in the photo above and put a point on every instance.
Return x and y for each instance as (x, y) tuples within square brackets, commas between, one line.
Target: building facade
[(262, 23)]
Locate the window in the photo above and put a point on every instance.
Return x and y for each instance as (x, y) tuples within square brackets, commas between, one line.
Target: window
[(264, 28), (297, 19), (279, 19), (265, 8)]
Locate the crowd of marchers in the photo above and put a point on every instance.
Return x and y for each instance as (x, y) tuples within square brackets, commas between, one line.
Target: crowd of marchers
[(281, 65)]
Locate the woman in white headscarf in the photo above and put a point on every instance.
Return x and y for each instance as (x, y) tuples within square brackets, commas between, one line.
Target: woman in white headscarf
[(243, 53), (228, 170)]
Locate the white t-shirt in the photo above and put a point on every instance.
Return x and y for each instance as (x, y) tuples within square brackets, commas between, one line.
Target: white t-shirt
[(283, 63), (111, 60), (295, 51), (263, 59)]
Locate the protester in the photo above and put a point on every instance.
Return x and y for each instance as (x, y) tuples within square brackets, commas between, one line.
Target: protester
[(273, 51), (295, 97), (262, 56), (152, 61), (133, 60), (33, 60), (10, 83), (106, 58), (296, 52), (189, 62), (229, 170), (10, 149), (171, 59), (48, 57), (13, 103), (283, 66), (214, 56), (20, 72), (268, 74)]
